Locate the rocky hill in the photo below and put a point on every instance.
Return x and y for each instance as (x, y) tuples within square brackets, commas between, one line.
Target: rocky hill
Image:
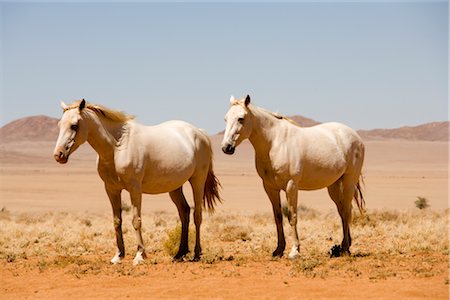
[(36, 128), (44, 128)]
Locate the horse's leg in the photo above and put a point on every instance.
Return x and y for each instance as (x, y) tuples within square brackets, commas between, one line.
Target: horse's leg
[(346, 215), (116, 203), (342, 194), (198, 184), (183, 211), (291, 196), (136, 201), (274, 196)]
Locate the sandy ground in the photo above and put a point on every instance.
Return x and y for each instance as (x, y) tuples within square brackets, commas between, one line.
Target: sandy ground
[(254, 280), (396, 173)]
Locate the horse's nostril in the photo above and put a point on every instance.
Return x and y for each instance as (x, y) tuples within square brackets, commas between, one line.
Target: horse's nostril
[(61, 154), (228, 149)]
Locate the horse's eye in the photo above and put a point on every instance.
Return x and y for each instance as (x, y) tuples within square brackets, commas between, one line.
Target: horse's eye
[(241, 120), (74, 127)]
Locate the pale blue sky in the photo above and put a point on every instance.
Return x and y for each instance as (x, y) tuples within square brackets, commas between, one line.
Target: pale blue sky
[(366, 64)]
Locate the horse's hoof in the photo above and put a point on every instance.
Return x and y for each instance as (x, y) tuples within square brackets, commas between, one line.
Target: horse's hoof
[(277, 253), (179, 257), (196, 258), (294, 254), (139, 258), (338, 251), (117, 259), (335, 251)]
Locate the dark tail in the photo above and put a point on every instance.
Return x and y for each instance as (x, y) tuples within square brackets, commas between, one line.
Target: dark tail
[(359, 197), (211, 191)]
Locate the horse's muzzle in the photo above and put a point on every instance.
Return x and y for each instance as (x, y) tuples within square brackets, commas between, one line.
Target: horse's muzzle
[(228, 149), (61, 158)]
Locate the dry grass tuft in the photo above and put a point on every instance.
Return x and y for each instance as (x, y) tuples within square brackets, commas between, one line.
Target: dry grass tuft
[(385, 243), (172, 243)]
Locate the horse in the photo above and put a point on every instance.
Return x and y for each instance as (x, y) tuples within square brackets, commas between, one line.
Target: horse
[(292, 158), (143, 159)]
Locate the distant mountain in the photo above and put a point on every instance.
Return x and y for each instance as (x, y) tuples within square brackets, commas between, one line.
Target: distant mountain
[(303, 121), (43, 128), (435, 131), (36, 128)]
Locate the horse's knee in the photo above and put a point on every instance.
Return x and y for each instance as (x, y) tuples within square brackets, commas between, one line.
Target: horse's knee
[(137, 222)]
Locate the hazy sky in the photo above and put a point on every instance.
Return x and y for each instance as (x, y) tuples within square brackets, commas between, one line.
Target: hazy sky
[(366, 64)]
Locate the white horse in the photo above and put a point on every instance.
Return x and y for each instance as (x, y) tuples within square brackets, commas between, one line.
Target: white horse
[(291, 158), (142, 159)]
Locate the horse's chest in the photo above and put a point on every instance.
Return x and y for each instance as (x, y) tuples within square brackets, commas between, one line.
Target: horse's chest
[(274, 175), (108, 174)]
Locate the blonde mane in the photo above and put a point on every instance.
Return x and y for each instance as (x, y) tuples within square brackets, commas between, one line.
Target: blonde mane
[(281, 117), (273, 114), (110, 114)]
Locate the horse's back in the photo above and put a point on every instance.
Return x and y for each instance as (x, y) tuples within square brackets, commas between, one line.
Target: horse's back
[(188, 133), (338, 134), (165, 155), (329, 151)]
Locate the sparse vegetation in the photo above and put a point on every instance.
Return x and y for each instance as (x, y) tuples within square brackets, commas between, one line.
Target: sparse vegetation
[(172, 243), (421, 203), (385, 243), (125, 206)]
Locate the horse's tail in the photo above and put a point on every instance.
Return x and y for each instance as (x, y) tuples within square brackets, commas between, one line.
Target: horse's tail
[(359, 197), (211, 191)]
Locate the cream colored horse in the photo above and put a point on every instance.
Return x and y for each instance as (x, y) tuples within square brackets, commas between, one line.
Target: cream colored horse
[(291, 158), (142, 159)]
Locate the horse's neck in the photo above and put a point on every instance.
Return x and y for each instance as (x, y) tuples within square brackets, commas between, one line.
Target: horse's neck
[(265, 128), (104, 136)]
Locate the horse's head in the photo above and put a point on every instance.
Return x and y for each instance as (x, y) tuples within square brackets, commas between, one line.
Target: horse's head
[(238, 124), (72, 131)]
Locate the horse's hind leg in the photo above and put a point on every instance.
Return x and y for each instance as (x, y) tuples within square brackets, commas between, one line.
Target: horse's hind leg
[(198, 185), (342, 193), (178, 198)]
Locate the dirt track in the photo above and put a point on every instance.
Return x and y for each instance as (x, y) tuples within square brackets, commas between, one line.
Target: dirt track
[(264, 279)]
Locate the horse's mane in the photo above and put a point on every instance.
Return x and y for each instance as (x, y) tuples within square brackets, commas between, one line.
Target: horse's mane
[(110, 114), (273, 114), (279, 117)]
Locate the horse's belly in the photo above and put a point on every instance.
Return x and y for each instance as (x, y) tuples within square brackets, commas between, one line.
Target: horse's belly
[(165, 182), (319, 178)]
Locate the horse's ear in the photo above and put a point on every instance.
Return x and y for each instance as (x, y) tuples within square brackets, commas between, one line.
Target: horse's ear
[(232, 100), (63, 105), (82, 105), (247, 100)]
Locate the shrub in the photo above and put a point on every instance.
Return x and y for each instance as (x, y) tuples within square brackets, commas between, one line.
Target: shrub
[(172, 243), (231, 233), (421, 203), (125, 206)]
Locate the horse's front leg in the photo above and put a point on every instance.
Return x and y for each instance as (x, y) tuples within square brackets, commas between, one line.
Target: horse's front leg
[(116, 203), (274, 196), (291, 196), (136, 201)]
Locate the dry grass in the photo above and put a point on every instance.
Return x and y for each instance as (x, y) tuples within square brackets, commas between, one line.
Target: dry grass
[(385, 243)]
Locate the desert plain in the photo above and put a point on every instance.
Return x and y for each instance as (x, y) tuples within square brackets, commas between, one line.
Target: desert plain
[(57, 235)]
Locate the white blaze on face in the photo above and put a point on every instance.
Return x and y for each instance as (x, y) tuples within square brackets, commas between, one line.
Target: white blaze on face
[(68, 129), (234, 119)]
